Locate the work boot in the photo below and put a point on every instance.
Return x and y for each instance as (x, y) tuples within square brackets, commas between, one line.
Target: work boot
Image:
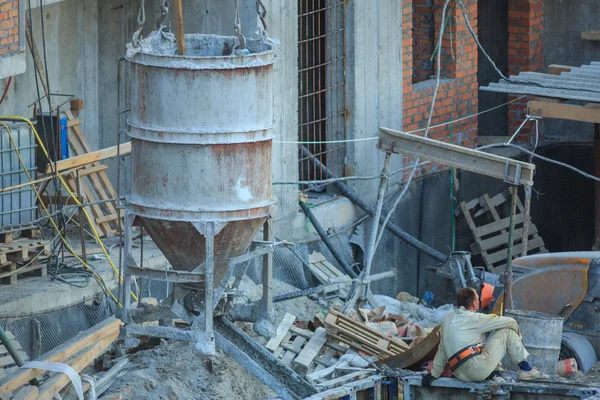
[(533, 375)]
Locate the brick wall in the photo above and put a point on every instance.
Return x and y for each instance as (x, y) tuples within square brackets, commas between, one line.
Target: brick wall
[(457, 95), (9, 27), (423, 37), (525, 53)]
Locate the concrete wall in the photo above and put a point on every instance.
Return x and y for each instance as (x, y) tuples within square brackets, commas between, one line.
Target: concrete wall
[(71, 30), (86, 38), (373, 85), (564, 22)]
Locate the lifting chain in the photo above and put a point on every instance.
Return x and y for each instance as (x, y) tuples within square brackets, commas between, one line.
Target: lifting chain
[(141, 19), (237, 27), (261, 10), (164, 11)]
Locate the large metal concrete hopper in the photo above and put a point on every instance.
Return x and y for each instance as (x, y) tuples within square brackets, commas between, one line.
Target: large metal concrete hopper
[(201, 128)]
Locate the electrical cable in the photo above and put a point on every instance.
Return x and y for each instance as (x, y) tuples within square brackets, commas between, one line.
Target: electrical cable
[(409, 132), (39, 97), (87, 216), (6, 90), (46, 210), (427, 128)]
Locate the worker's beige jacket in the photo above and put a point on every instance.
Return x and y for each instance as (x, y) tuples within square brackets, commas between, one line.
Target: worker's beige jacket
[(462, 328)]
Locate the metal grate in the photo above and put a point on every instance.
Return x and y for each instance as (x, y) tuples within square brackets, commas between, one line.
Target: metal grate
[(321, 84)]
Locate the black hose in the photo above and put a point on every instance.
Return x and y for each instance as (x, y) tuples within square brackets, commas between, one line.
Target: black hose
[(353, 196), (326, 240), (298, 293)]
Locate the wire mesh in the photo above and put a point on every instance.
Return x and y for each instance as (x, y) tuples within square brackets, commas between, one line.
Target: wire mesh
[(41, 333), (321, 84)]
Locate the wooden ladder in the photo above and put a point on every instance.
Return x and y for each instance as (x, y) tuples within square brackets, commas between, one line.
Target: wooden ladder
[(93, 182)]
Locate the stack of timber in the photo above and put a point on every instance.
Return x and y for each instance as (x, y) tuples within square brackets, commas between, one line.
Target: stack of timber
[(327, 274), (361, 337), (490, 230), (78, 353), (19, 258), (315, 355)]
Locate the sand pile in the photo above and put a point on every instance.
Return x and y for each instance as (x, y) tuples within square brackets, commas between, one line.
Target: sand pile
[(176, 371)]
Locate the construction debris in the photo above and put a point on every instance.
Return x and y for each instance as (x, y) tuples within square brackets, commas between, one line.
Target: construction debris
[(78, 353), (175, 370)]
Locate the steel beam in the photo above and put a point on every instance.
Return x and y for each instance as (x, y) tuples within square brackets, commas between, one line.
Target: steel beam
[(512, 171), (165, 275)]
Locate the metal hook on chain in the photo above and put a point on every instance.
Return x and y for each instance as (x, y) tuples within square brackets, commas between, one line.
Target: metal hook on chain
[(261, 10), (164, 11), (237, 27), (141, 19)]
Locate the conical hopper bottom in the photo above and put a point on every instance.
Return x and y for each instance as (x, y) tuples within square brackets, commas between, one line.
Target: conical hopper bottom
[(184, 247)]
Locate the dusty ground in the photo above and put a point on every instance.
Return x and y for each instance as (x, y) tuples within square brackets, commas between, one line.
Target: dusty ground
[(176, 371)]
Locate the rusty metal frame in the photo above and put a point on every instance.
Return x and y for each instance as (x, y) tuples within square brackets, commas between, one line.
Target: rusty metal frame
[(322, 83)]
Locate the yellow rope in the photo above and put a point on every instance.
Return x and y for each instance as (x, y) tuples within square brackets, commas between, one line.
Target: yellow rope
[(87, 216)]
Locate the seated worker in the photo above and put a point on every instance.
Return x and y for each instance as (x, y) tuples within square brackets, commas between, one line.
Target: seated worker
[(464, 348)]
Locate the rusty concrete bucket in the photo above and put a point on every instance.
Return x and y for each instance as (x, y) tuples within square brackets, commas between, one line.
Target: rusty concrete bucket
[(201, 128)]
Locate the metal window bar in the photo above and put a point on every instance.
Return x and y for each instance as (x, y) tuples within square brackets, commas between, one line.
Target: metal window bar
[(321, 85)]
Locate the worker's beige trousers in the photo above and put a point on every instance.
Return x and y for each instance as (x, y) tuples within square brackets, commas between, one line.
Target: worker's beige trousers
[(502, 341)]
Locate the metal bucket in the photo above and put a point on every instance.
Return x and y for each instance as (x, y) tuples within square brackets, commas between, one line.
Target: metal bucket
[(542, 334), (201, 127)]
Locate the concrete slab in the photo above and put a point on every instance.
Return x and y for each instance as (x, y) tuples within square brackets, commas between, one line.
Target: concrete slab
[(33, 296)]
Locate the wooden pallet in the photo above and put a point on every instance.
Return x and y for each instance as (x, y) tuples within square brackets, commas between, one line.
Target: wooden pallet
[(490, 231), (326, 274), (94, 182), (303, 350), (17, 259), (361, 337), (30, 233)]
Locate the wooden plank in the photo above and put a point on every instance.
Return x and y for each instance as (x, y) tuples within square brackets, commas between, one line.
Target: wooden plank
[(73, 123), (316, 257), (54, 385), (35, 182), (468, 218), (107, 218), (61, 353), (557, 69), (282, 329), (179, 27), (26, 393), (591, 35), (495, 201), (6, 237), (455, 156), (496, 226), (502, 239), (565, 111), (8, 360), (293, 350), (280, 350), (92, 170), (501, 254), (345, 379), (96, 209), (90, 158), (312, 349)]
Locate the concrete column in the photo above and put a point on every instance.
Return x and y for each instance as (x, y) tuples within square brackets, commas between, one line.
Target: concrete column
[(373, 85), (282, 19)]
